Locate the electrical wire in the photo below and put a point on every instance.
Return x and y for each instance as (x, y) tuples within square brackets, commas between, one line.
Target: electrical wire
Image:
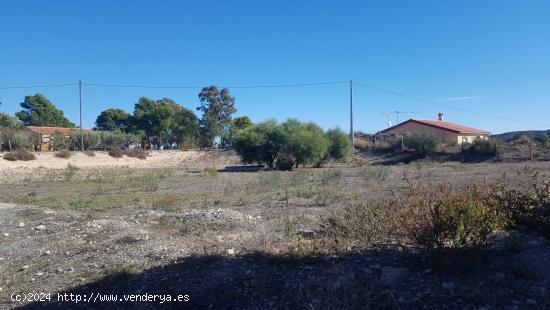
[(448, 106), (39, 86), (201, 87)]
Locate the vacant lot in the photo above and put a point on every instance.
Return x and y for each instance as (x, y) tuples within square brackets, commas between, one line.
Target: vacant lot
[(174, 224)]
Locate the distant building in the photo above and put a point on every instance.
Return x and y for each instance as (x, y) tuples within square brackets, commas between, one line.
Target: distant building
[(44, 134), (447, 132)]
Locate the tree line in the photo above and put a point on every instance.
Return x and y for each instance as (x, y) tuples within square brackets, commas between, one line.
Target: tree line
[(165, 123)]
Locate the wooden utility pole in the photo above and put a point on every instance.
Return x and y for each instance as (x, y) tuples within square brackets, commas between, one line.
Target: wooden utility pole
[(80, 99), (351, 136)]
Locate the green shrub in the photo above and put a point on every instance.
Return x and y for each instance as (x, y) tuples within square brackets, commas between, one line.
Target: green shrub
[(307, 143), (423, 143), (340, 145), (278, 144)]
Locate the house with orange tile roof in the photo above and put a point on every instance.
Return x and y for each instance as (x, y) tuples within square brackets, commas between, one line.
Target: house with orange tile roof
[(44, 134), (446, 131)]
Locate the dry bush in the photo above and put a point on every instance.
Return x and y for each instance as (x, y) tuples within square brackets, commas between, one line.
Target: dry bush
[(484, 148), (445, 221), (89, 153), (454, 218), (136, 153), (64, 154), (116, 152), (527, 205), (22, 154), (361, 143), (361, 224)]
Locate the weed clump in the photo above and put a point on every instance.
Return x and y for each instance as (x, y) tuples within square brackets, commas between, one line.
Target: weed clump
[(211, 171), (21, 154), (66, 154), (70, 172), (116, 152), (136, 153)]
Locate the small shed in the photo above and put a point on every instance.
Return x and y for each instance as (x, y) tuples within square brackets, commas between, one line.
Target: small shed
[(44, 134), (446, 131)]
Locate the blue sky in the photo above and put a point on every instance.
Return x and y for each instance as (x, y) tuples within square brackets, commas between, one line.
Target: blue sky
[(492, 57)]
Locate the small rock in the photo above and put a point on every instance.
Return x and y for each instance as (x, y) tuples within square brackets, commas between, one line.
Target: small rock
[(499, 277), (47, 252), (40, 227), (21, 224), (6, 234), (71, 269), (393, 277), (230, 251), (531, 301), (24, 268), (39, 274)]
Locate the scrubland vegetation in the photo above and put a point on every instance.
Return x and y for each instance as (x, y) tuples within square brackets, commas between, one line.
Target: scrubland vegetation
[(352, 226)]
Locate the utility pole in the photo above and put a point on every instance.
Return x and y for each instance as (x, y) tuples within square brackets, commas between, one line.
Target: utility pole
[(352, 138), (80, 99)]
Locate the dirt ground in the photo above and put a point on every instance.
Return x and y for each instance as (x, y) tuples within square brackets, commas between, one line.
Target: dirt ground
[(173, 224)]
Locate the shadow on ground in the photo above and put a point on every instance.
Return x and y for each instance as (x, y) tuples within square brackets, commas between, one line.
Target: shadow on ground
[(385, 279)]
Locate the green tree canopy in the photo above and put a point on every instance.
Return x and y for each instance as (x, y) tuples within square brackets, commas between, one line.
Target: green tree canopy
[(8, 121), (166, 120), (242, 122), (185, 126), (39, 111), (291, 142), (340, 145), (112, 119), (307, 142), (217, 107)]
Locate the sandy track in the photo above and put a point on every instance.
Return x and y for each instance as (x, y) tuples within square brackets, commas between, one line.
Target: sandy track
[(102, 159)]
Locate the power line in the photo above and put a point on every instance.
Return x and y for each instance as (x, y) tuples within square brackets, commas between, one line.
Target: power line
[(39, 86), (201, 87), (447, 106)]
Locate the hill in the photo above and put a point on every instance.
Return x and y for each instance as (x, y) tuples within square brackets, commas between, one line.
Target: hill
[(509, 135)]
